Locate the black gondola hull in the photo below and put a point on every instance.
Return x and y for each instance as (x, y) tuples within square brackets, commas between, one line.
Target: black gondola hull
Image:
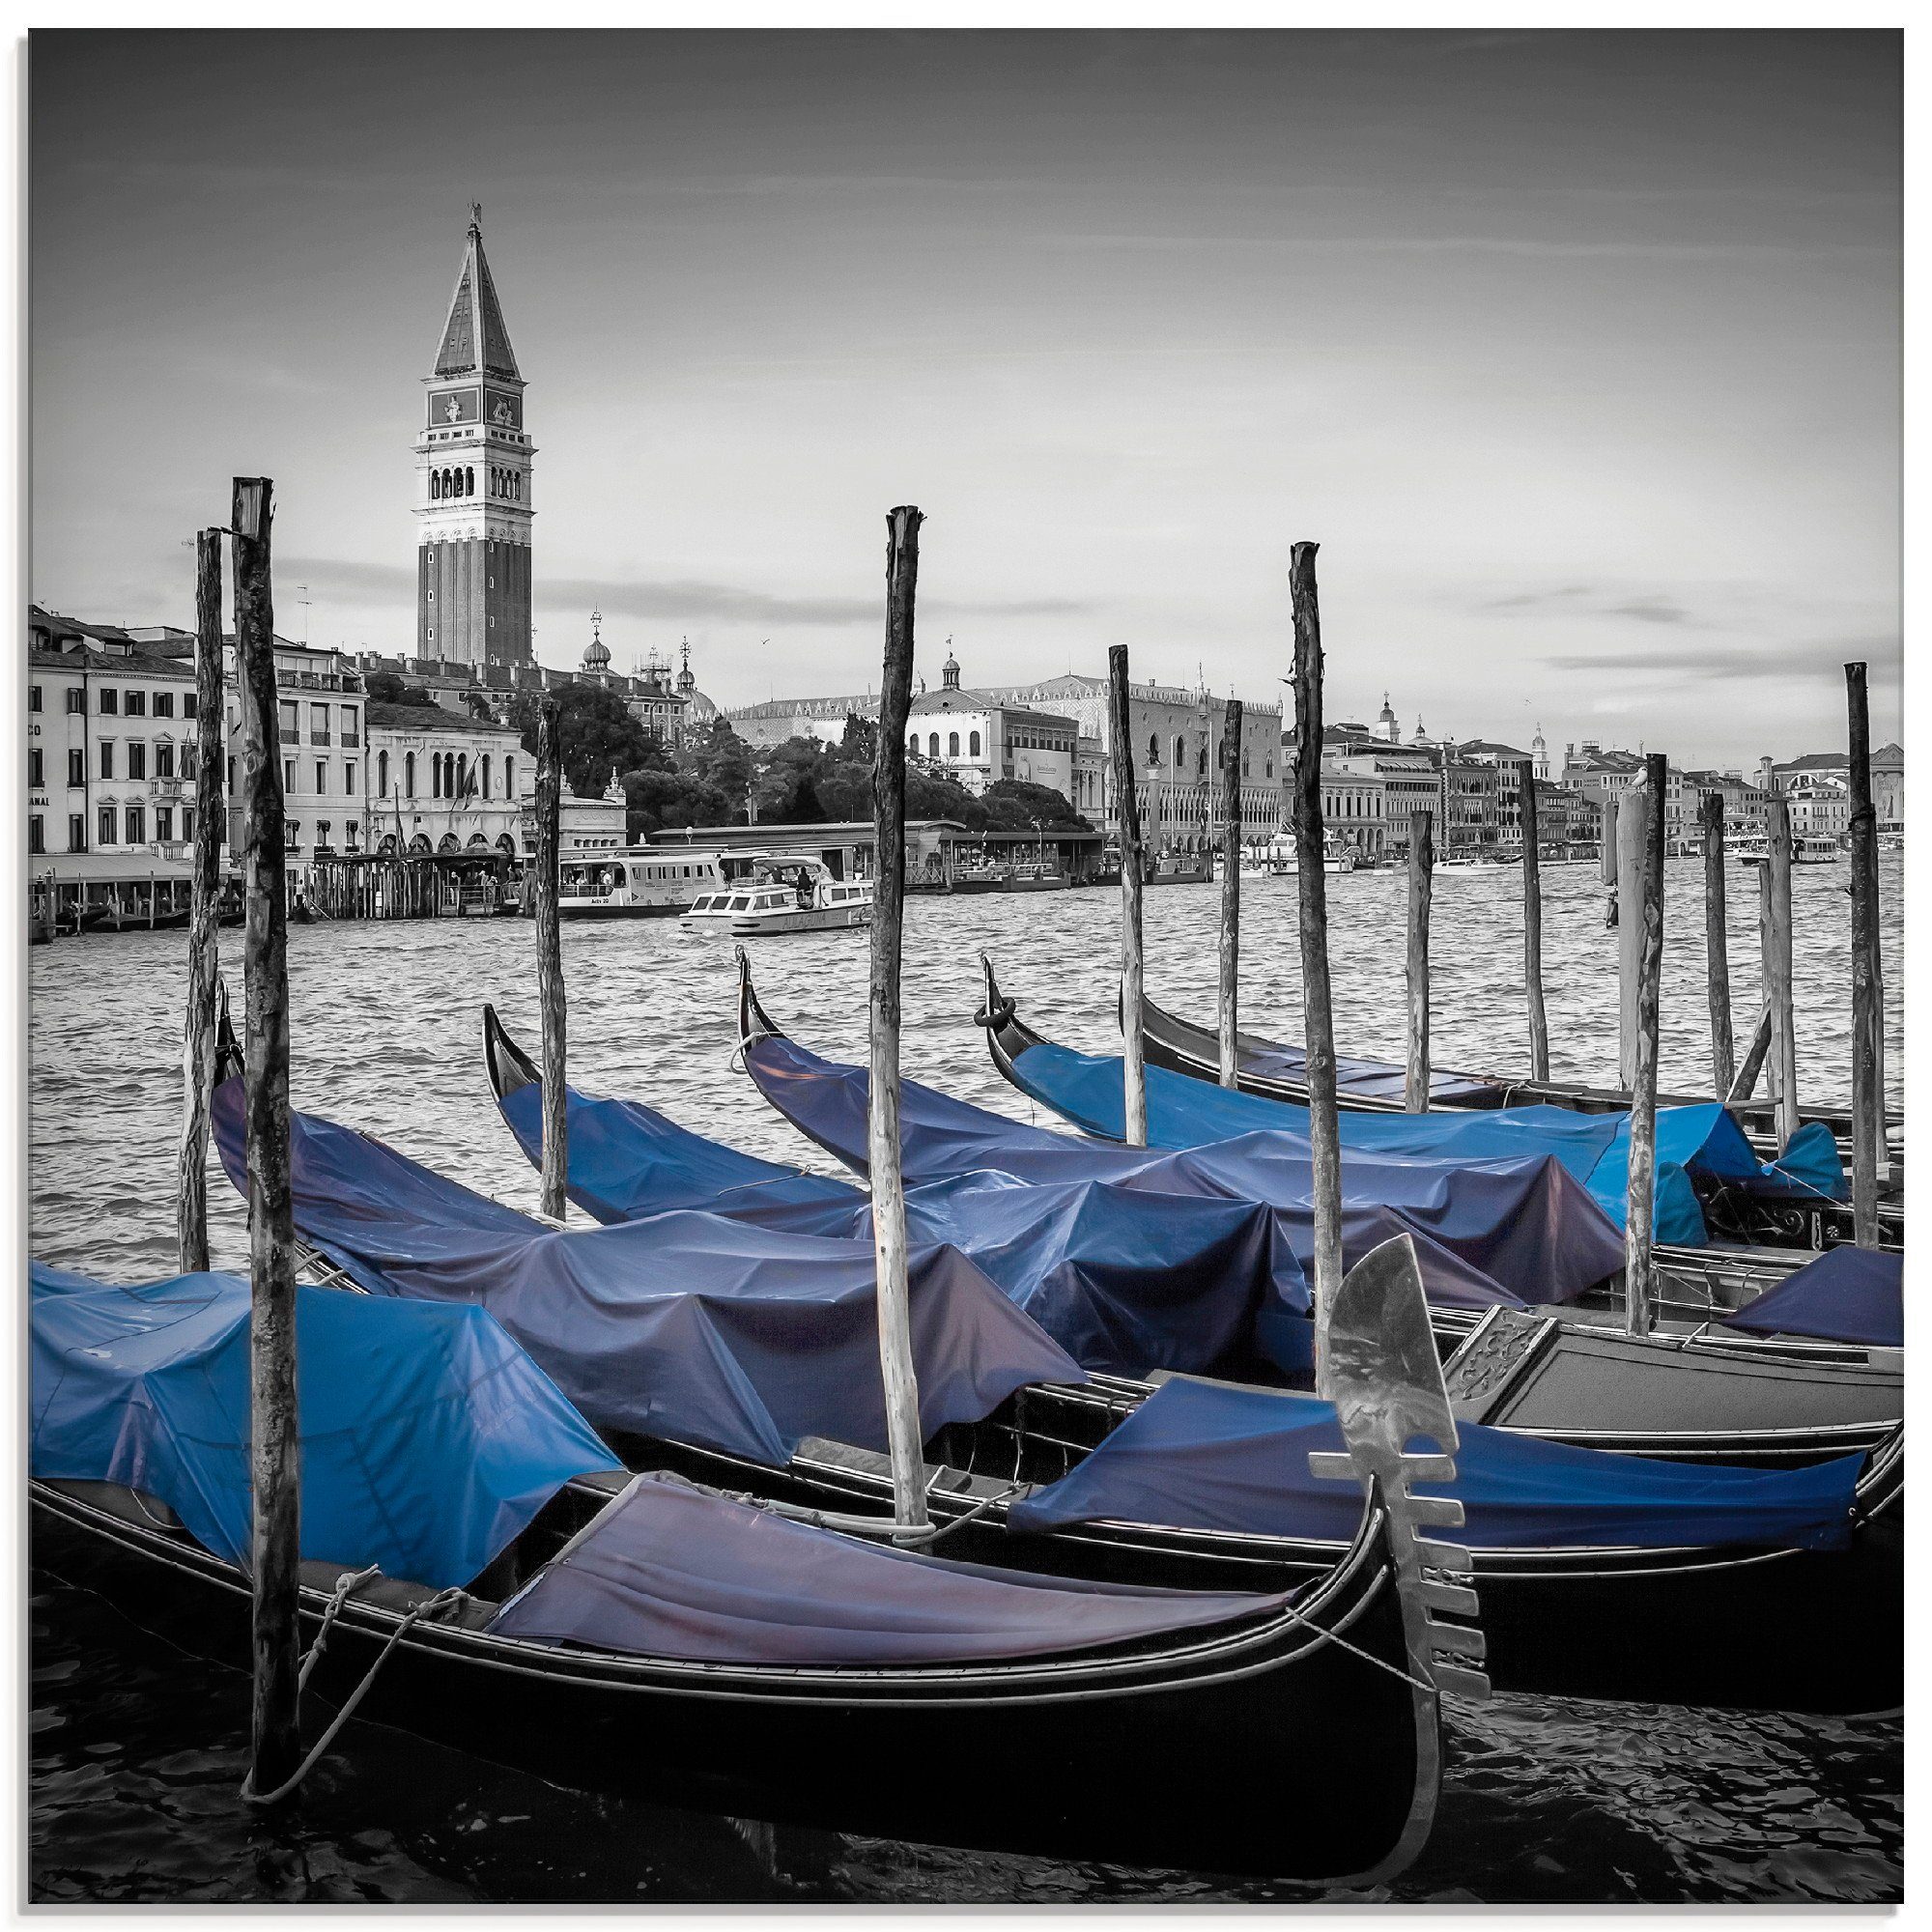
[(1289, 1755)]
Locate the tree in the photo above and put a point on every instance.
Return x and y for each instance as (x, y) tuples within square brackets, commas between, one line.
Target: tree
[(719, 758), (860, 744), (1013, 805), (656, 800), (386, 687), (786, 788), (595, 734)]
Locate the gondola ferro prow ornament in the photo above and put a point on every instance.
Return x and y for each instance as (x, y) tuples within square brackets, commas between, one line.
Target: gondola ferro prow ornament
[(1381, 1371), (753, 1023)]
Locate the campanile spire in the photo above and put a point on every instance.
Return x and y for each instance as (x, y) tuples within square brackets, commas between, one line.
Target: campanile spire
[(473, 509)]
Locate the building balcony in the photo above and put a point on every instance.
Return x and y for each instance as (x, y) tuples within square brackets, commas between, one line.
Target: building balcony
[(318, 737), (351, 740), (169, 788)]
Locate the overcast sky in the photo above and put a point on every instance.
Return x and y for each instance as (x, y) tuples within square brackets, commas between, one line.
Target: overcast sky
[(1578, 352)]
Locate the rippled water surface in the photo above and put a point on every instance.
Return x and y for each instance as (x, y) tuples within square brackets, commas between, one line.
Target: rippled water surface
[(138, 1752)]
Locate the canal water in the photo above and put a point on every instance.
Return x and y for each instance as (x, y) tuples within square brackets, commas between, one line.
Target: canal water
[(137, 1751)]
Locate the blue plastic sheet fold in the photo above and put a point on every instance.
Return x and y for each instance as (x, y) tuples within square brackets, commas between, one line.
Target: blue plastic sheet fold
[(691, 1327), (1847, 1294), (429, 1439), (1203, 1456), (670, 1570), (1124, 1280), (1512, 1230)]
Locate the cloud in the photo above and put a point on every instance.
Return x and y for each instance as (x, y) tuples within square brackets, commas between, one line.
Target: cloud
[(1755, 659), (1596, 600), (687, 598), (1650, 610)]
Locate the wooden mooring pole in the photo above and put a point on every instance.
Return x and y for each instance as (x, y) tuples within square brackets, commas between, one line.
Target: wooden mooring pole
[(1716, 948), (904, 1438), (1645, 913), (1607, 858), (1532, 934), (1783, 1034), (1317, 1013), (1127, 812), (1633, 823), (1231, 891), (1420, 884), (275, 1441), (1867, 999), (204, 911), (550, 960)]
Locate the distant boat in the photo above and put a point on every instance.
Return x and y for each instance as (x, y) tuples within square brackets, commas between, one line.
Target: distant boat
[(794, 894)]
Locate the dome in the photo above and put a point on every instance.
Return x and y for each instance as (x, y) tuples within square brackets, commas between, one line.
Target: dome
[(1388, 712), (596, 653), (701, 710)]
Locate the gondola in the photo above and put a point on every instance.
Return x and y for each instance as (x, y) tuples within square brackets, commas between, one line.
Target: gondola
[(1275, 1071), (986, 1477), (1291, 1732), (1713, 1196), (1707, 1395)]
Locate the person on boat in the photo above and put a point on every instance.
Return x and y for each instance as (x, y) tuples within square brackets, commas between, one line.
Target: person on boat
[(804, 889)]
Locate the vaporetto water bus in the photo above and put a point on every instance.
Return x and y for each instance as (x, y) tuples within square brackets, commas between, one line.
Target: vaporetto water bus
[(642, 881)]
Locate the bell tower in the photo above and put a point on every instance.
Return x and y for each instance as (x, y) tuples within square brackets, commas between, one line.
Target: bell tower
[(473, 482)]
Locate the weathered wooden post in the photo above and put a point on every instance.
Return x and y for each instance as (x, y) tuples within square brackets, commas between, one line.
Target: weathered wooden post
[(203, 910), (1716, 947), (1420, 884), (1783, 1034), (1608, 856), (1532, 934), (1127, 811), (1632, 832), (275, 1441), (903, 1436), (1231, 891), (549, 959), (1645, 914), (1317, 1015), (1867, 1009)]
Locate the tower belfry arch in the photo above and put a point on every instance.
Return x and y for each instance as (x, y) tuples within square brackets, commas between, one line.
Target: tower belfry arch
[(474, 469)]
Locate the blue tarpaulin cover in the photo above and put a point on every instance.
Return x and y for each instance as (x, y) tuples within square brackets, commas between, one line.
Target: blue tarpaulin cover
[(1124, 1280), (1512, 1230), (1203, 1456), (1693, 1144), (689, 1326), (429, 1439), (1847, 1294), (1370, 1079), (671, 1571)]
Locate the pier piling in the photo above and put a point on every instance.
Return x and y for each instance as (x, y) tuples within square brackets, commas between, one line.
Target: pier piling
[(1231, 891), (1532, 934), (1716, 947), (1608, 856), (1867, 999), (1126, 807), (1644, 915), (1632, 820), (903, 1434), (1317, 1013), (1420, 884), (204, 911), (1783, 1034), (274, 1442), (549, 959)]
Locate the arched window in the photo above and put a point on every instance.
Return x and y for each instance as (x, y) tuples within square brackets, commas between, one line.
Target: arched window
[(1179, 753), (932, 746), (468, 482), (483, 788), (1154, 748), (952, 744), (509, 776), (973, 744), (434, 486), (409, 774), (912, 744), (461, 776), (381, 774)]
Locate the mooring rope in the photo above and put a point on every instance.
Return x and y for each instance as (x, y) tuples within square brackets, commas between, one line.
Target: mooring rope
[(431, 1608)]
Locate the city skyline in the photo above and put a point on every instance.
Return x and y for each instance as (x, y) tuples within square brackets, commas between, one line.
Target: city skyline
[(1576, 353)]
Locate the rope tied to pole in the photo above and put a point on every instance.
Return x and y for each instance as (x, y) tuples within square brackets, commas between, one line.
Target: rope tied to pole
[(427, 1611)]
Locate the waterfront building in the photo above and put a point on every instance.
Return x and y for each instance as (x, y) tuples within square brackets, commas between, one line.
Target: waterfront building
[(1821, 805), (583, 824), (112, 725), (1539, 759), (1514, 771), (1178, 737), (473, 482), (1565, 817), (1409, 780), (1471, 818), (979, 739), (318, 702), (1887, 782), (442, 781), (1743, 802), (772, 723), (1354, 809)]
